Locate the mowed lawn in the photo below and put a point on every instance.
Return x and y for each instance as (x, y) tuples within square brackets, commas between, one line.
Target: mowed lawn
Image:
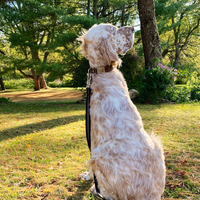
[(43, 149)]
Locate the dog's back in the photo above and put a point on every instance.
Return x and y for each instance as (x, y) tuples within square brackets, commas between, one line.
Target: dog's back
[(128, 163)]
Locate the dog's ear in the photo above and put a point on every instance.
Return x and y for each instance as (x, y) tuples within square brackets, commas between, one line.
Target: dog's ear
[(84, 45), (107, 48)]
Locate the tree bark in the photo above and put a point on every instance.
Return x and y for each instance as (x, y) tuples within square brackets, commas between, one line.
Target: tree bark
[(88, 7), (95, 9), (1, 79), (123, 16), (149, 31), (36, 80), (39, 81), (42, 81), (2, 84)]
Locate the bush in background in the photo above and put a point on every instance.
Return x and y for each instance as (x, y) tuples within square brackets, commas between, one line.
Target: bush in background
[(79, 76), (19, 83), (178, 93), (184, 93), (154, 83), (132, 68), (194, 85), (65, 82), (4, 100)]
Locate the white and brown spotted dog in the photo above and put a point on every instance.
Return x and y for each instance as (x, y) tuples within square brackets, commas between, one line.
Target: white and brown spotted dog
[(127, 162)]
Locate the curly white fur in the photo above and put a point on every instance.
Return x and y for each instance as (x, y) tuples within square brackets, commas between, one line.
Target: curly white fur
[(128, 163)]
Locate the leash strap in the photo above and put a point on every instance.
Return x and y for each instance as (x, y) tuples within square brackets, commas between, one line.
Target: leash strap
[(88, 125)]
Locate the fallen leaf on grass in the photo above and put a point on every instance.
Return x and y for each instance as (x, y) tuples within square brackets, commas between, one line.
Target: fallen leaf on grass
[(185, 161), (174, 185), (28, 146), (181, 173), (59, 163)]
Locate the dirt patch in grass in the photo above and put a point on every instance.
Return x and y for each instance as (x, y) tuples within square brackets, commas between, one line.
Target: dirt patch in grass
[(50, 94)]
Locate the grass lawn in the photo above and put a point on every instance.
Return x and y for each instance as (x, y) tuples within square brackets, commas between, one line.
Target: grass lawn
[(43, 149)]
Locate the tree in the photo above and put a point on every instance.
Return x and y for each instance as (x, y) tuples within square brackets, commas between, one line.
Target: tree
[(118, 12), (149, 32), (2, 53), (1, 79), (179, 24), (31, 27)]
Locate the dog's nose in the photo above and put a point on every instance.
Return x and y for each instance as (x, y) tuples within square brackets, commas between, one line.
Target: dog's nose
[(132, 29)]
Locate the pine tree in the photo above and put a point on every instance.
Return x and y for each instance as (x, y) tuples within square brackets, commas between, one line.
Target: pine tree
[(179, 24), (31, 28)]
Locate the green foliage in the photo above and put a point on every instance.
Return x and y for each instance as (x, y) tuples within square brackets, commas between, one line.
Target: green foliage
[(4, 100), (66, 82), (19, 83), (79, 74), (83, 21), (132, 68), (184, 93), (194, 85), (185, 73), (178, 94), (154, 83)]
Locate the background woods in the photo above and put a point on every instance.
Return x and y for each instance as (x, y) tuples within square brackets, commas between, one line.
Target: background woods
[(38, 38)]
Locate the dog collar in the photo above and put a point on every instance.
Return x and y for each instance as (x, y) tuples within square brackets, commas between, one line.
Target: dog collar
[(101, 70)]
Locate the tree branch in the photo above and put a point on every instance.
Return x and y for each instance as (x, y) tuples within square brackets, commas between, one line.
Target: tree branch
[(45, 57), (2, 52), (190, 33), (26, 75)]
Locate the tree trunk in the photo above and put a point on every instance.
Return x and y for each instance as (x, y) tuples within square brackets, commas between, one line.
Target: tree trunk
[(88, 8), (149, 31), (123, 16), (177, 55), (95, 9), (39, 81), (36, 80), (2, 84), (42, 81)]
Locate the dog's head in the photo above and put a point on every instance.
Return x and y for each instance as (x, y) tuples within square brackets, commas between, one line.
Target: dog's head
[(102, 43)]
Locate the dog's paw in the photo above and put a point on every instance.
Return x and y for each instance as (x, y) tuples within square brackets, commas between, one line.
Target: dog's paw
[(85, 176)]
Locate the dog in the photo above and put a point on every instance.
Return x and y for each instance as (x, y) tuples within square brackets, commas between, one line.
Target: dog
[(128, 163)]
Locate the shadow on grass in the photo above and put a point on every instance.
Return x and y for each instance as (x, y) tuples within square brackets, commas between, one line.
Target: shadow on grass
[(83, 190), (39, 107), (35, 127)]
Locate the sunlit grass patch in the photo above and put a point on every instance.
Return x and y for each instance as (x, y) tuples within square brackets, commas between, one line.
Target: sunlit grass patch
[(43, 149)]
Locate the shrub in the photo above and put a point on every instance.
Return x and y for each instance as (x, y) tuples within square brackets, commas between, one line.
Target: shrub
[(195, 93), (154, 83), (19, 84), (132, 68), (178, 94), (184, 93), (66, 82), (79, 76), (4, 100), (194, 85)]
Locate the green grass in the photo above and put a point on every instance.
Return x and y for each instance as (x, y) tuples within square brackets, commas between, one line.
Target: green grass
[(43, 149)]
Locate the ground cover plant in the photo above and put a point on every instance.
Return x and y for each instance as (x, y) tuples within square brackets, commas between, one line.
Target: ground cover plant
[(43, 149)]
